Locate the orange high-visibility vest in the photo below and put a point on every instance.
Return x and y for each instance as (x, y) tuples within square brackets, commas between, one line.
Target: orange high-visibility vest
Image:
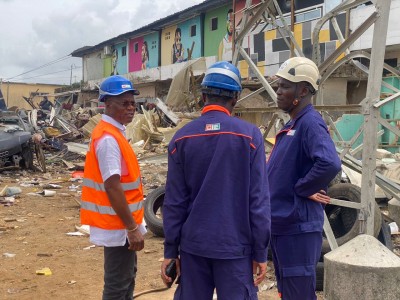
[(96, 209)]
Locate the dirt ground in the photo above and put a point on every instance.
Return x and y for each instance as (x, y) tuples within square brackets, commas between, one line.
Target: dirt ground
[(33, 236)]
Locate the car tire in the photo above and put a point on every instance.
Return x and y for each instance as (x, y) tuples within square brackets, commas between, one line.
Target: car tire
[(153, 211), (344, 220)]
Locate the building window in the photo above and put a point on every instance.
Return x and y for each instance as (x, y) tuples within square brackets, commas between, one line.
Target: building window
[(308, 15), (214, 24), (124, 51), (193, 30), (136, 48)]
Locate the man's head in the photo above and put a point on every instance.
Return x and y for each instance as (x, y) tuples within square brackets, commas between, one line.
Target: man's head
[(229, 22), (222, 84), (178, 36), (298, 81), (118, 94)]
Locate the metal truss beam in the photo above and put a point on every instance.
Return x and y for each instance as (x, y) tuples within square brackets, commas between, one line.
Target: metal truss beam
[(369, 107)]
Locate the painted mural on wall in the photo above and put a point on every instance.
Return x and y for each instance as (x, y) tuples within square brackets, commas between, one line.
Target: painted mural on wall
[(143, 52), (225, 46), (264, 43), (115, 60), (215, 29), (119, 59), (267, 47), (177, 41), (178, 50), (145, 56)]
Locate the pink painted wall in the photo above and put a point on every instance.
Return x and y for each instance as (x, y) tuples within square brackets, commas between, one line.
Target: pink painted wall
[(135, 58)]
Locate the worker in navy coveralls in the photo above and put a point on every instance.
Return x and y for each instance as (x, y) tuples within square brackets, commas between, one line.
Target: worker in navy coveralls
[(216, 208), (300, 167)]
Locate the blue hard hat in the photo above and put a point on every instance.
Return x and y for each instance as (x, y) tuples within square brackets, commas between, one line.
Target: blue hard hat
[(222, 75), (116, 85)]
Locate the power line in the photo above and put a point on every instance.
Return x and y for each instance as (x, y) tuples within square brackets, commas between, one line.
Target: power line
[(42, 66), (79, 67)]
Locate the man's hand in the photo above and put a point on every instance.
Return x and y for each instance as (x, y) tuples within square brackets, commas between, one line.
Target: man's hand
[(164, 265), (136, 240), (259, 272), (320, 197)]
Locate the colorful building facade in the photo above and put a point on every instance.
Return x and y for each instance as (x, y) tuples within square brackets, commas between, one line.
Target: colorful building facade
[(144, 52), (207, 29), (181, 38)]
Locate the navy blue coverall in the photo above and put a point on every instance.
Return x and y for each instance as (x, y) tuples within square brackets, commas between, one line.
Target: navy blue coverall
[(303, 162), (216, 209)]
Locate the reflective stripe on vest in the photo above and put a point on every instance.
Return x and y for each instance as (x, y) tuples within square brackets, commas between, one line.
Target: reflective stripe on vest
[(108, 210), (100, 186)]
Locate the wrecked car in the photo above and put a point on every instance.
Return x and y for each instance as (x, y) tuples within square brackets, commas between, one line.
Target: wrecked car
[(15, 142)]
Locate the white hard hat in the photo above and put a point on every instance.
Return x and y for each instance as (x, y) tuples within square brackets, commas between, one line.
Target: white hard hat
[(298, 69)]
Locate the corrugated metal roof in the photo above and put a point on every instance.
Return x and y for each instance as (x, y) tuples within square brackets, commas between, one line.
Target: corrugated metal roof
[(157, 25)]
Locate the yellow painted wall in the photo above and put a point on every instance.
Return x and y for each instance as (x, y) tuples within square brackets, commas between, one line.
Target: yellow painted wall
[(13, 92), (243, 69), (261, 67), (298, 34), (341, 55), (324, 36), (270, 35), (167, 40)]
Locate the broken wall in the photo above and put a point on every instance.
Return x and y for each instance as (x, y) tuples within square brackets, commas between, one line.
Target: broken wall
[(334, 91), (14, 92), (146, 89), (356, 91)]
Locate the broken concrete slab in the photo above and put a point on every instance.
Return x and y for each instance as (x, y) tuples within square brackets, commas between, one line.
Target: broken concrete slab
[(169, 113), (363, 268), (77, 148)]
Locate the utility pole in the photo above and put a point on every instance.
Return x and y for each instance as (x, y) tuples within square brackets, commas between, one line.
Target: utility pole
[(70, 78)]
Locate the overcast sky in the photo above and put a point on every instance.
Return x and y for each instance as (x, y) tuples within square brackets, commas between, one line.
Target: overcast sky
[(37, 35)]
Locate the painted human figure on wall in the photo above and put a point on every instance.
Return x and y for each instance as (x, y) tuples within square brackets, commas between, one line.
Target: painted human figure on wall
[(225, 47), (178, 50), (145, 56), (114, 61)]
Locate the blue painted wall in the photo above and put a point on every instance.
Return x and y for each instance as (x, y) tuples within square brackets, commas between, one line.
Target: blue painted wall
[(187, 40), (122, 60), (153, 47)]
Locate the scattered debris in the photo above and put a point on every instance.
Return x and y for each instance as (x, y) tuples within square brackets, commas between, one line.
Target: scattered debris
[(394, 229), (44, 254), (9, 255), (266, 287), (75, 233), (150, 251), (7, 201), (45, 271), (89, 247), (9, 219), (85, 229), (47, 193), (10, 191)]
